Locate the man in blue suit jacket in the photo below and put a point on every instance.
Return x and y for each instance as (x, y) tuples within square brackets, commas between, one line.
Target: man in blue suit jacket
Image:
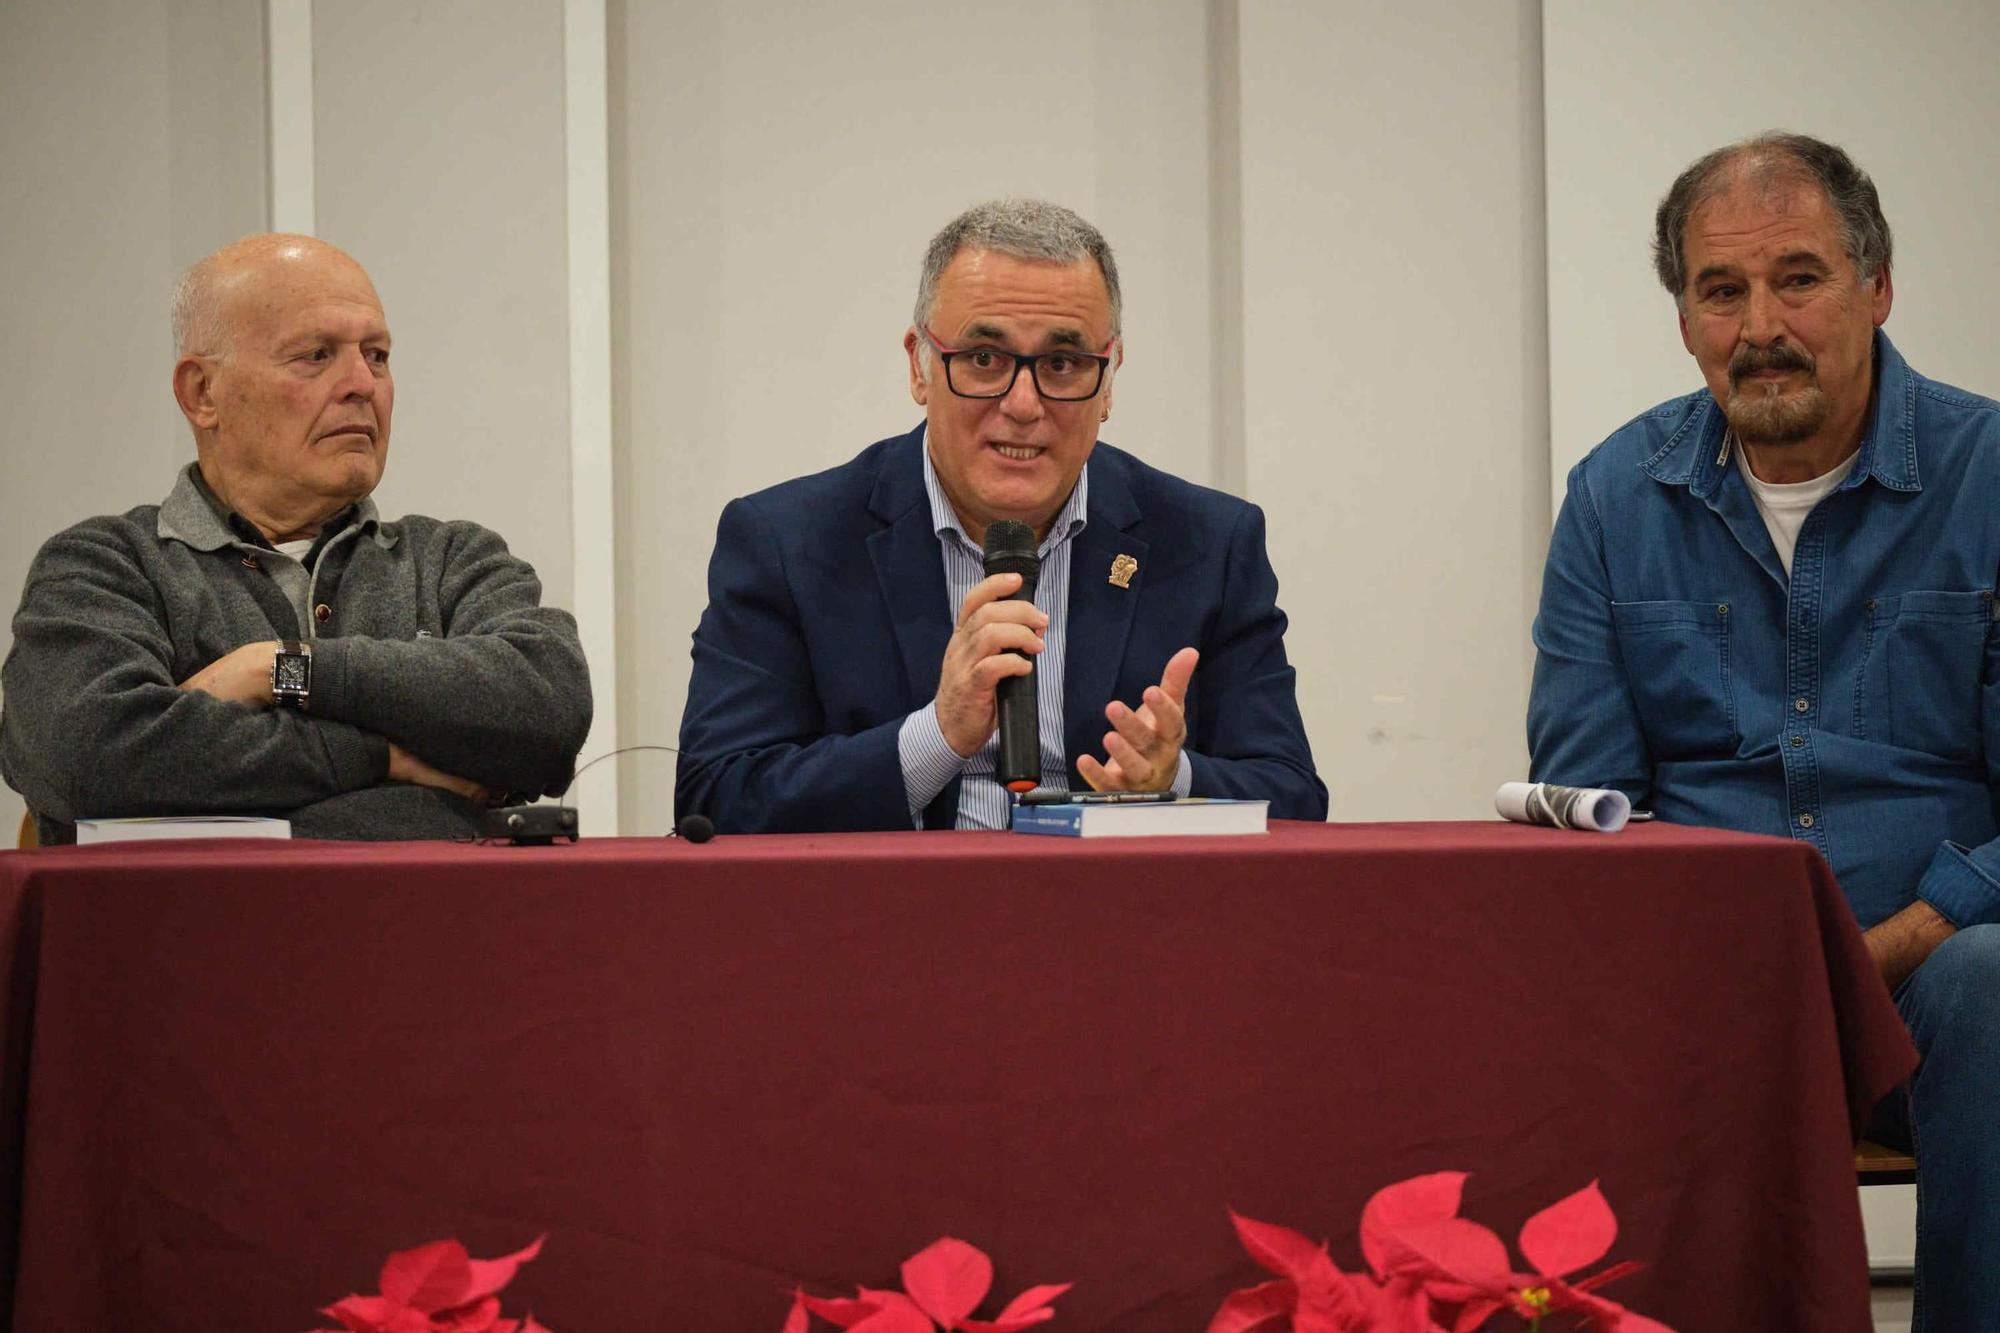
[(844, 671)]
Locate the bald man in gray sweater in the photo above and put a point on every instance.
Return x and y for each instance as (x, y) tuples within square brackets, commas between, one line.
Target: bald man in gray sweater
[(262, 641)]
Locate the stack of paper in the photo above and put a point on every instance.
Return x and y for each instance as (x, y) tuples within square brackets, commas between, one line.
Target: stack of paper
[(181, 826)]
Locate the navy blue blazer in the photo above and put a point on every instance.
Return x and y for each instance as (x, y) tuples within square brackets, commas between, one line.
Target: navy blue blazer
[(827, 622)]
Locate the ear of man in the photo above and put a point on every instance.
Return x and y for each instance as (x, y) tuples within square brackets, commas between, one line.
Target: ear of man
[(919, 386), (194, 391)]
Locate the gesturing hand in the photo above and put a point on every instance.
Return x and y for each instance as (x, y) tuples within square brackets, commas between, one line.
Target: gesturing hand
[(980, 655), (1144, 747)]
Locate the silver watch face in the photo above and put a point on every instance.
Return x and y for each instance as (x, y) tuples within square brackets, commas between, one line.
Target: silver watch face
[(289, 674)]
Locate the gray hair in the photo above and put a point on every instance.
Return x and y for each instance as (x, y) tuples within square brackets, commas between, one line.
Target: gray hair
[(196, 313), (1026, 229), (1774, 158)]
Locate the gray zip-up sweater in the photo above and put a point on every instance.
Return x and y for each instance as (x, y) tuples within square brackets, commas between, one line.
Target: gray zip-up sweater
[(425, 633)]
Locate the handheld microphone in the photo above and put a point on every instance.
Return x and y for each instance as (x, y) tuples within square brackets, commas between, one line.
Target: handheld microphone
[(1010, 549)]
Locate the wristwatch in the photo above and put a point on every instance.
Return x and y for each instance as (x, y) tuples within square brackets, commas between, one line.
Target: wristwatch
[(292, 674)]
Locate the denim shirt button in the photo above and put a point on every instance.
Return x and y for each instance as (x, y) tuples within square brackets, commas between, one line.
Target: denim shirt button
[(1798, 741), (1722, 608), (1806, 820), (1802, 704)]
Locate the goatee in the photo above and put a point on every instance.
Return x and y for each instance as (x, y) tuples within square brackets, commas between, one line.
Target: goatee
[(1764, 413)]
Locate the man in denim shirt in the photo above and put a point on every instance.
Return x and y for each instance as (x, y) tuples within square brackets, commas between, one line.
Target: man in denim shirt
[(1769, 606)]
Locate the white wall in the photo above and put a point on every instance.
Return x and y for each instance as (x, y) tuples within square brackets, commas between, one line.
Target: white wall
[(1394, 398), (134, 145), (438, 163)]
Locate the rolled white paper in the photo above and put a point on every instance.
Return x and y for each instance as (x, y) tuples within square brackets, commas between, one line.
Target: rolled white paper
[(1592, 809)]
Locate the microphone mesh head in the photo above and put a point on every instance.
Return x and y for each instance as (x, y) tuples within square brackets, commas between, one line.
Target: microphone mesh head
[(1010, 548)]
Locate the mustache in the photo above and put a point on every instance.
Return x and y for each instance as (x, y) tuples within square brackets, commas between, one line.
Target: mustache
[(1778, 356)]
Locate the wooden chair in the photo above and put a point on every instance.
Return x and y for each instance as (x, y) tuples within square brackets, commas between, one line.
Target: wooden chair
[(27, 838), (1877, 1165)]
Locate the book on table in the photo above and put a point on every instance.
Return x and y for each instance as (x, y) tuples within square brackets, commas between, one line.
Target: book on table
[(151, 827), (1189, 816)]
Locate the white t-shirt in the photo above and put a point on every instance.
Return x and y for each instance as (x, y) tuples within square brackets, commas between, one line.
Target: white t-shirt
[(1785, 505)]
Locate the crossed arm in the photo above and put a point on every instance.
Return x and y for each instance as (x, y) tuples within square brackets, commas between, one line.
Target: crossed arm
[(244, 677), (96, 723)]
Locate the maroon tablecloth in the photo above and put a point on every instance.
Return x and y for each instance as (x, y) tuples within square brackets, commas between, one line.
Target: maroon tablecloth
[(238, 1075)]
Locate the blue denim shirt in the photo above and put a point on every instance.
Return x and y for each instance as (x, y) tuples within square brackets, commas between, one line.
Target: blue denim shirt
[(1854, 705)]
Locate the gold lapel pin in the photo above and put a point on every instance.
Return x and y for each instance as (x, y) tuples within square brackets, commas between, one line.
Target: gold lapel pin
[(1122, 570)]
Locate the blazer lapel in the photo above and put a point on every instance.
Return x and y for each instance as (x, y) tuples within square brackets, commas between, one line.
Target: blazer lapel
[(1100, 612), (910, 569)]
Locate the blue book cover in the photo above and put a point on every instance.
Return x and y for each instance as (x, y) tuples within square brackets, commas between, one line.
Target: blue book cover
[(1062, 820)]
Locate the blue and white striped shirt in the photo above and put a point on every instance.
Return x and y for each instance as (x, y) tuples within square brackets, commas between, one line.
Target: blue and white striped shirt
[(929, 762)]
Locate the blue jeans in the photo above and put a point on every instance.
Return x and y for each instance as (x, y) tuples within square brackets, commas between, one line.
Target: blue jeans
[(1948, 1120)]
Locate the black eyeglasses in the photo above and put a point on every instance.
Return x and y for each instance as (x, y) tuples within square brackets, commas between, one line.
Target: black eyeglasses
[(1065, 376)]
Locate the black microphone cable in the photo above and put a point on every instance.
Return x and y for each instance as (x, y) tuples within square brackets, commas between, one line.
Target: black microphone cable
[(695, 828)]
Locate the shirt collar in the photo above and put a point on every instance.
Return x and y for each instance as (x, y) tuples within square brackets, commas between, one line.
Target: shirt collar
[(195, 516), (1069, 520), (1700, 454)]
